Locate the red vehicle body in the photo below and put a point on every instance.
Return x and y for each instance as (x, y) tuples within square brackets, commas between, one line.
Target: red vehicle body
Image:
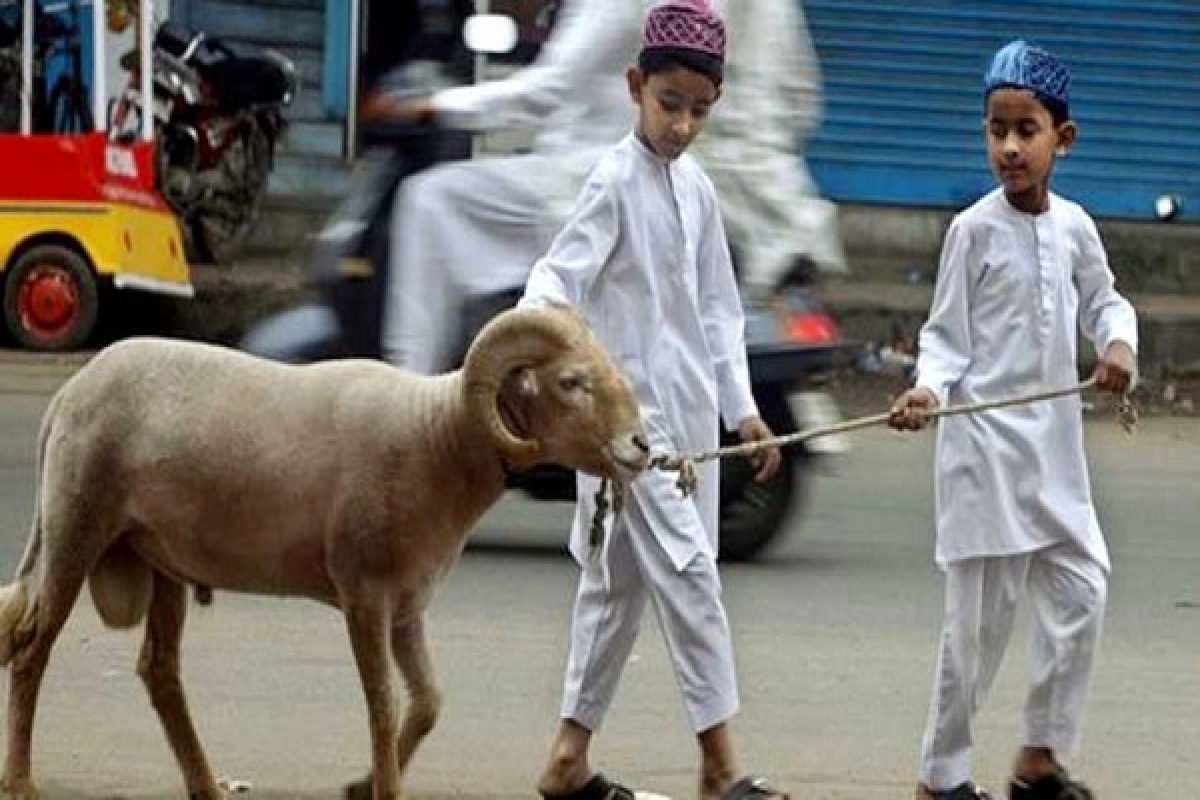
[(79, 214)]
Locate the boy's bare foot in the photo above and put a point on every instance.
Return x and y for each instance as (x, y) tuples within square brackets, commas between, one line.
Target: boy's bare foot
[(1034, 763), (563, 777)]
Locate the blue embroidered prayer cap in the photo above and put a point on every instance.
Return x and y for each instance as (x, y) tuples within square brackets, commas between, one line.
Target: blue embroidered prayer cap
[(1019, 65)]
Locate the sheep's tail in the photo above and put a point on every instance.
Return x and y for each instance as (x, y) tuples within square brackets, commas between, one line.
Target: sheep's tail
[(16, 610)]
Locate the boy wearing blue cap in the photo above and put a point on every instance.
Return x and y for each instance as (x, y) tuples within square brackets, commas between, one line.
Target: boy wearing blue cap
[(1021, 271)]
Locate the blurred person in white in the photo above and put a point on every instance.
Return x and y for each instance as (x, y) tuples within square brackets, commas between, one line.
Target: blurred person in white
[(475, 228)]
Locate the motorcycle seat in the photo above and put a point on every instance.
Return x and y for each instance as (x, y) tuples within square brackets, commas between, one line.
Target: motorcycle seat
[(173, 39), (246, 81)]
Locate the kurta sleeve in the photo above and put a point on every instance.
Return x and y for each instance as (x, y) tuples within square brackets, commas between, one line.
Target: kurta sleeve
[(1104, 315), (724, 323), (582, 248), (590, 38), (945, 340)]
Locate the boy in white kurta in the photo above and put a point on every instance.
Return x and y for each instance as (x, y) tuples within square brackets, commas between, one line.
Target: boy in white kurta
[(644, 257), (1021, 272)]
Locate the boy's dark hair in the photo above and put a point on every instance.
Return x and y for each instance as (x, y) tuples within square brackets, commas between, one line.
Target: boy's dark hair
[(655, 60), (1059, 111)]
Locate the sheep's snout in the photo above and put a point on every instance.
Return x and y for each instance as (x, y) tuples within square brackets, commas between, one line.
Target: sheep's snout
[(629, 454)]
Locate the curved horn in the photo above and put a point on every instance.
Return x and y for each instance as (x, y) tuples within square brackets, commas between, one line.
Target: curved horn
[(516, 338)]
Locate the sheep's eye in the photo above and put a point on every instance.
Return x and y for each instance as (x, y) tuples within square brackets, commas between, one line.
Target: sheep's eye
[(574, 381)]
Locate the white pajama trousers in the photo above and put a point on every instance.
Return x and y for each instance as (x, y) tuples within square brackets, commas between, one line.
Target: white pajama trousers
[(613, 593), (464, 230), (1067, 590), (460, 230)]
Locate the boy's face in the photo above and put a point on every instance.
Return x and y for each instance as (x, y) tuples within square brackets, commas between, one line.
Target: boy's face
[(1022, 142), (673, 108)]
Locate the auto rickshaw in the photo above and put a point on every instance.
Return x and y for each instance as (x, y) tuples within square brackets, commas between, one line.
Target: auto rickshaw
[(81, 217)]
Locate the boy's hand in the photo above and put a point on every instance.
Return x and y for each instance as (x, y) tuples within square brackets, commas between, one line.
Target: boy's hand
[(767, 462), (1115, 370), (383, 108), (911, 410)]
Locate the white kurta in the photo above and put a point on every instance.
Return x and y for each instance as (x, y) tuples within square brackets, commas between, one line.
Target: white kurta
[(1013, 291), (644, 257), (473, 228)]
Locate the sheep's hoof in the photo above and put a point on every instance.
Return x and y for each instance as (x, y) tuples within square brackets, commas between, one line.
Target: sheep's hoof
[(362, 790), (207, 794), (17, 789)]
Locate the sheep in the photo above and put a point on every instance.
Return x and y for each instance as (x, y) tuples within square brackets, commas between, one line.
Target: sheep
[(165, 464)]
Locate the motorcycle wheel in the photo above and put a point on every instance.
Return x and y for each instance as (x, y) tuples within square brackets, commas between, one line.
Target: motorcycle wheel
[(223, 224), (752, 513), (51, 302)]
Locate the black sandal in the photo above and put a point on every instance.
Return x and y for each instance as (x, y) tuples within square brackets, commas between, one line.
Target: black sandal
[(598, 787), (1055, 786), (752, 788)]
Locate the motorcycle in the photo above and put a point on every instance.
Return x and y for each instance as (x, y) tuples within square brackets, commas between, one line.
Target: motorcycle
[(219, 117), (791, 341)]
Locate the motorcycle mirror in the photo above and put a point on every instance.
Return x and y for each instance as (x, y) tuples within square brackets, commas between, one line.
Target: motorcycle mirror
[(490, 33)]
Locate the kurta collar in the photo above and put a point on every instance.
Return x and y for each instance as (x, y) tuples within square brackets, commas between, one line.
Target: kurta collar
[(1051, 202), (647, 153)]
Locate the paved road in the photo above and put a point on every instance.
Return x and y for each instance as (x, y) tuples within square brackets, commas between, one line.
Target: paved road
[(835, 632)]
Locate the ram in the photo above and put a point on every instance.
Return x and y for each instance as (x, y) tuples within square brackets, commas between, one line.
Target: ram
[(165, 464)]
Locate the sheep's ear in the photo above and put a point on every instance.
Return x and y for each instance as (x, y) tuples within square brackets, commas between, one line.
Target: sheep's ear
[(526, 382)]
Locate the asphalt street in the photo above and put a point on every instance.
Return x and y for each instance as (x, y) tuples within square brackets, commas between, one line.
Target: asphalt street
[(835, 632)]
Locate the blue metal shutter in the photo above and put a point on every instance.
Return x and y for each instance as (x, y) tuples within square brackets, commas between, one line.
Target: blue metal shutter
[(903, 104)]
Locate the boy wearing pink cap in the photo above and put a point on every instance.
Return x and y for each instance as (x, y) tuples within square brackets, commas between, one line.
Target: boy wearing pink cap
[(644, 257)]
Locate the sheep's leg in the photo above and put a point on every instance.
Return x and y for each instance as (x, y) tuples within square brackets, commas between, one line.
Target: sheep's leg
[(367, 625), (158, 667), (55, 599), (411, 652)]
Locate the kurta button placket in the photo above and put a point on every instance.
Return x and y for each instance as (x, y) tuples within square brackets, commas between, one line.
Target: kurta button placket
[(1047, 262), (677, 266)]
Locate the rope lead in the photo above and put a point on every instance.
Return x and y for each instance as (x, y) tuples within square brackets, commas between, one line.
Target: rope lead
[(685, 464)]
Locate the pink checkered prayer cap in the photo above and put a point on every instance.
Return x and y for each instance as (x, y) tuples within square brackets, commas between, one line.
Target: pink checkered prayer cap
[(685, 25)]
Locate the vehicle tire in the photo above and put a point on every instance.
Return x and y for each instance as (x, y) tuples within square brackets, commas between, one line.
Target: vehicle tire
[(752, 513), (223, 225), (51, 301)]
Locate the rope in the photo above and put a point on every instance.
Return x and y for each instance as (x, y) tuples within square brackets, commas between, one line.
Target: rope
[(685, 464)]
